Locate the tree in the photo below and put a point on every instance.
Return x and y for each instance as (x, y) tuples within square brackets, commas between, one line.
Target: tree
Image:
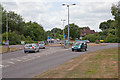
[(92, 37), (74, 31), (57, 30), (107, 25), (55, 33), (20, 30), (35, 31), (111, 38), (115, 10)]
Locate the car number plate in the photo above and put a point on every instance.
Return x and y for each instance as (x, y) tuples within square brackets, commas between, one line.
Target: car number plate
[(28, 48)]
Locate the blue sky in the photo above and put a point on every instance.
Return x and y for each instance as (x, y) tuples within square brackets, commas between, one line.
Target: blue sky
[(49, 13)]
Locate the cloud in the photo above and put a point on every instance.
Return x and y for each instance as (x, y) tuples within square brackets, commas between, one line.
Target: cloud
[(49, 13)]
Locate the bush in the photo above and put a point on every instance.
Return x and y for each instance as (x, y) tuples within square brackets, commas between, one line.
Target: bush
[(14, 38), (97, 42), (29, 42), (91, 37), (111, 39)]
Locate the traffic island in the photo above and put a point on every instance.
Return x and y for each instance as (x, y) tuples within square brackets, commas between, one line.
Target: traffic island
[(55, 45)]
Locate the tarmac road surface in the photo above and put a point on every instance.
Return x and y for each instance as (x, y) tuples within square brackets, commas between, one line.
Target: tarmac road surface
[(20, 65)]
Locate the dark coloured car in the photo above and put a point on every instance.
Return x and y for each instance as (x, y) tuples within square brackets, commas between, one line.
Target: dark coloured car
[(79, 46)]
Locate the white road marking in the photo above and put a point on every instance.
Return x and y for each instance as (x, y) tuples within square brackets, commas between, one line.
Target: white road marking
[(29, 57), (2, 66), (24, 58), (11, 62), (18, 60), (12, 59)]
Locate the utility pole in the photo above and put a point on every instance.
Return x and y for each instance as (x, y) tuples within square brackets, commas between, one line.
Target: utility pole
[(7, 41)]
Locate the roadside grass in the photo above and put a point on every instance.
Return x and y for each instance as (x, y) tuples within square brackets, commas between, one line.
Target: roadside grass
[(5, 49), (94, 44), (56, 45), (97, 64)]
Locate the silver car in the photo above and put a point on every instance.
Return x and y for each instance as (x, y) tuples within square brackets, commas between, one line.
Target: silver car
[(31, 48), (41, 44)]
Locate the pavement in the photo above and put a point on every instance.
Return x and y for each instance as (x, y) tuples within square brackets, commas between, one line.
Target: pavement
[(26, 65)]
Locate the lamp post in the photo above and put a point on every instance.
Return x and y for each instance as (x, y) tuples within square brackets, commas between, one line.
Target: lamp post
[(63, 32), (68, 18), (7, 41)]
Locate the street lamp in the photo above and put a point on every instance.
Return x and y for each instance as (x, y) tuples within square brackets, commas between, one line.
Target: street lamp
[(7, 41), (68, 18), (63, 32)]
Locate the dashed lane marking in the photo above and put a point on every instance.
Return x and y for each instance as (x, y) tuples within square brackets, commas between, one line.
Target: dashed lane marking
[(10, 62), (18, 60), (2, 66), (29, 57)]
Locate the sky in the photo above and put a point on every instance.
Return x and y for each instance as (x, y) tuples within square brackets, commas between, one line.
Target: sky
[(49, 13)]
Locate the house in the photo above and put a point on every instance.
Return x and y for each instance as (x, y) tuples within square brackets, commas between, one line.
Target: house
[(86, 30)]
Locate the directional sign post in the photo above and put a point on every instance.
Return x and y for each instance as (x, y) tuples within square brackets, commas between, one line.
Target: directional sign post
[(64, 40)]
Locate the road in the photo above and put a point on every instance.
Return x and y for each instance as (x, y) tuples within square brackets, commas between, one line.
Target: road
[(20, 65)]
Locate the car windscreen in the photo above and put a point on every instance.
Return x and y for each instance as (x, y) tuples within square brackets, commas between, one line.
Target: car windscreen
[(41, 42), (76, 44), (28, 45)]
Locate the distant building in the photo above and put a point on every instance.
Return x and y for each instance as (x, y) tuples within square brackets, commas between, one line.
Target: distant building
[(86, 30)]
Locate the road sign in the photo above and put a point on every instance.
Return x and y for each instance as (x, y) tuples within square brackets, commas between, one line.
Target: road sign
[(80, 37), (3, 41), (48, 37), (64, 36), (7, 42), (22, 42)]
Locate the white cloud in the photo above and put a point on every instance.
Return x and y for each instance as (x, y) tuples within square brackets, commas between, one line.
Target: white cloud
[(49, 13)]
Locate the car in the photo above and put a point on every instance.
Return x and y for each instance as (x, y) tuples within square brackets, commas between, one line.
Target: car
[(79, 46), (87, 41), (101, 41), (58, 39), (41, 44), (31, 48)]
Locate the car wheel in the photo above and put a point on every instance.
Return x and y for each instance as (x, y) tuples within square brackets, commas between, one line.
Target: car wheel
[(38, 50), (85, 49), (34, 51), (25, 51), (72, 49), (78, 50)]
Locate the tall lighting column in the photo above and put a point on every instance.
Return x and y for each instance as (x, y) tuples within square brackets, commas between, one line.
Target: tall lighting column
[(7, 41), (68, 5)]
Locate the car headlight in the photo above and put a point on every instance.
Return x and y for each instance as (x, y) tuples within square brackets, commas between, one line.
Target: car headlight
[(72, 47), (79, 46)]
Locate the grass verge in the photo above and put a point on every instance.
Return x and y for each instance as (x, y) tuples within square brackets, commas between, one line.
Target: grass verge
[(5, 49), (97, 64)]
